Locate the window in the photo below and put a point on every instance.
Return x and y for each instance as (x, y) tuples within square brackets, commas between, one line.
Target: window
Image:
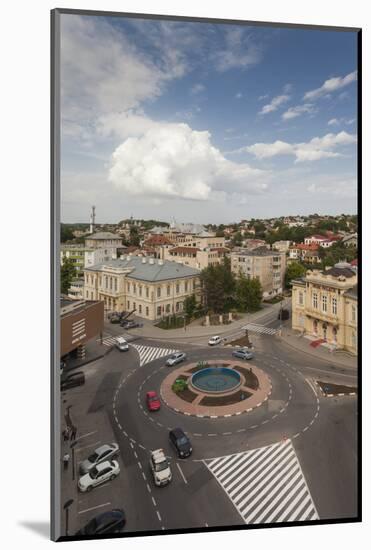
[(158, 292), (87, 294), (110, 283), (134, 288), (140, 308), (186, 286), (353, 313), (177, 288), (115, 285), (315, 300), (168, 290), (147, 292), (128, 287), (128, 305), (324, 303), (140, 290), (334, 306), (158, 311), (92, 295), (147, 311)]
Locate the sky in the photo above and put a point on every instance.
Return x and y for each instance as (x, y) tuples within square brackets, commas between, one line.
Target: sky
[(206, 123)]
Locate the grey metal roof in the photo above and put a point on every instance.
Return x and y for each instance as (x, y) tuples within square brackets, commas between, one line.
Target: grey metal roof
[(146, 271), (104, 235), (352, 292)]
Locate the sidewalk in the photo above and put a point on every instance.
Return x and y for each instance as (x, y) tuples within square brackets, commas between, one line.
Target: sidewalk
[(291, 338), (195, 329), (93, 350)]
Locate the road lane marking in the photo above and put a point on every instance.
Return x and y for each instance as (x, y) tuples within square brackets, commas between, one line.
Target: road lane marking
[(94, 508), (158, 515), (181, 473)]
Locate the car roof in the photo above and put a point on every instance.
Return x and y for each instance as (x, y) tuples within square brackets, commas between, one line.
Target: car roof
[(121, 340), (103, 465), (75, 374), (151, 394), (103, 448), (178, 432)]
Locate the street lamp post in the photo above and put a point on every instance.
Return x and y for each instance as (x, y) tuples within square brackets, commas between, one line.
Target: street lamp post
[(72, 447), (66, 506)]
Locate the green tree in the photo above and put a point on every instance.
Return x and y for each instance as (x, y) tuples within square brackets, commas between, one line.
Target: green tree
[(66, 233), (294, 271), (134, 238), (218, 284), (68, 273), (249, 293), (189, 306)]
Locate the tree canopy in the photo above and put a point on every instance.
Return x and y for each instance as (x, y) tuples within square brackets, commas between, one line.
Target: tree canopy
[(68, 273)]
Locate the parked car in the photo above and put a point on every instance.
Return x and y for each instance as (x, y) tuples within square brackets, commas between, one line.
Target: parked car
[(130, 324), (153, 401), (101, 454), (99, 474), (243, 353), (214, 340), (181, 442), (109, 522), (73, 380), (160, 468), (122, 344), (176, 358)]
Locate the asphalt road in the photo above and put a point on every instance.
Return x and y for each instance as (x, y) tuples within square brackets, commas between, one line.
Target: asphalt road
[(322, 431)]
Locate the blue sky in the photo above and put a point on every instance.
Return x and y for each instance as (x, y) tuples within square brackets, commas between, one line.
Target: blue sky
[(205, 123)]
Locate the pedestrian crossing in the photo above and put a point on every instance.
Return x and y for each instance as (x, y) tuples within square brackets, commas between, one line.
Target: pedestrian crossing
[(266, 485), (150, 353), (261, 329), (109, 341)]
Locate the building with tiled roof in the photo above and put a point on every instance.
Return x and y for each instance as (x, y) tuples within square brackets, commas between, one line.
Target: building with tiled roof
[(152, 287)]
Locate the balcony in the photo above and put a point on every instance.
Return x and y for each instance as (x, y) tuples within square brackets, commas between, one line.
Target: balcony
[(322, 315)]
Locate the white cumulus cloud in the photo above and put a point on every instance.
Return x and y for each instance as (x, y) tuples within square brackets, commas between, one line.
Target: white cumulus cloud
[(315, 149), (294, 112), (331, 85), (274, 104), (172, 160)]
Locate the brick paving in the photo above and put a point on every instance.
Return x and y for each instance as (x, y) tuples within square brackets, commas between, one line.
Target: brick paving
[(196, 409)]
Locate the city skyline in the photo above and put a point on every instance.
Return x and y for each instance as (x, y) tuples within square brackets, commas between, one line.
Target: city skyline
[(160, 117)]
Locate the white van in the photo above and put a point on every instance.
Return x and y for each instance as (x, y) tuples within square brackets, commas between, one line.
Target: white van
[(122, 344)]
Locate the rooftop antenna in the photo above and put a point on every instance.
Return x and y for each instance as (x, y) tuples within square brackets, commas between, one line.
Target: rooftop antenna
[(92, 219)]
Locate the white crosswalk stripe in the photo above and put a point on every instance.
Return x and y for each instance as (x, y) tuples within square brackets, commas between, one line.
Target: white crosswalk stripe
[(109, 341), (261, 329), (150, 353), (266, 485)]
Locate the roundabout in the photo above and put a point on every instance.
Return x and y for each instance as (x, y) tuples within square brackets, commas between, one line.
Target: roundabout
[(288, 408)]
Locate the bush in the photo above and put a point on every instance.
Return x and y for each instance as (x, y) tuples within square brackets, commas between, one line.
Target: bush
[(179, 385)]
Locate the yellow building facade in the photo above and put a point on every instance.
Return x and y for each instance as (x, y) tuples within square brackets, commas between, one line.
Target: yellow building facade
[(325, 306)]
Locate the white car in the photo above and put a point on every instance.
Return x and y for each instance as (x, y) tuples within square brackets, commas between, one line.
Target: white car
[(122, 344), (214, 340), (160, 468), (103, 453), (99, 474)]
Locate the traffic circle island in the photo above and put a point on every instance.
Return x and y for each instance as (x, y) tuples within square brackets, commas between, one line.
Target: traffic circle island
[(221, 388)]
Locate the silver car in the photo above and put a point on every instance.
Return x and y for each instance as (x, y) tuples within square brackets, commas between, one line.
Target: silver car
[(101, 473), (101, 454), (176, 358), (243, 353)]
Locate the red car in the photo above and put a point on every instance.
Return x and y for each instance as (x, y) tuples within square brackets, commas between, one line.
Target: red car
[(153, 402)]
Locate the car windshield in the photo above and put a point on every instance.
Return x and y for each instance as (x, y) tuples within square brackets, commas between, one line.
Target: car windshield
[(93, 473), (93, 457), (159, 467), (91, 527), (153, 398), (183, 440)]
